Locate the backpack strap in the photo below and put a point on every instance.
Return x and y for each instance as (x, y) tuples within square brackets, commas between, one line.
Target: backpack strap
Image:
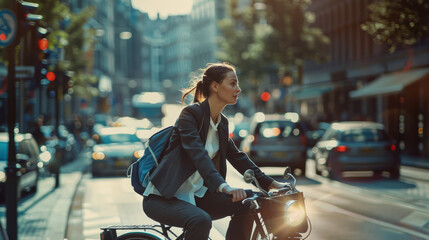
[(153, 154)]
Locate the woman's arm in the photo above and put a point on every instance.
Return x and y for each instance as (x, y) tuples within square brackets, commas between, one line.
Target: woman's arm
[(193, 146), (240, 161)]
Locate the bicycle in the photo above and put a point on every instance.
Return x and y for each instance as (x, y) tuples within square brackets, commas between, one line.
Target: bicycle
[(278, 215), (110, 232)]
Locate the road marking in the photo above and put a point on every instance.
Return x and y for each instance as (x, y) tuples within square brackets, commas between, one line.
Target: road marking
[(371, 220), (416, 219)]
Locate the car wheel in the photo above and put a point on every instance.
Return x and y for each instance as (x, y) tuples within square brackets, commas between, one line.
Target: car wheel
[(394, 174), (335, 174), (378, 173), (95, 174), (33, 189)]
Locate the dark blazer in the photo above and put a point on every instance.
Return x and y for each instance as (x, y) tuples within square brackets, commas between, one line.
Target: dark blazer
[(186, 154)]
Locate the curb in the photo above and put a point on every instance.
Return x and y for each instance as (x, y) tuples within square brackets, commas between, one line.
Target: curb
[(57, 222)]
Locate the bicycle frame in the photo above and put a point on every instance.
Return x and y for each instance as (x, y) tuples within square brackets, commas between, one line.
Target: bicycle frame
[(110, 232)]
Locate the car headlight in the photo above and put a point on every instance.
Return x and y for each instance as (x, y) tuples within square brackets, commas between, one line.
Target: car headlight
[(98, 156), (2, 176), (45, 156)]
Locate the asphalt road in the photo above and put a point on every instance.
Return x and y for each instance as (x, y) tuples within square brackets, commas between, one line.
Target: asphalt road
[(356, 208)]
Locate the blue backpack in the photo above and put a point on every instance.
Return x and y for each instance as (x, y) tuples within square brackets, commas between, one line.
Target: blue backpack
[(140, 170)]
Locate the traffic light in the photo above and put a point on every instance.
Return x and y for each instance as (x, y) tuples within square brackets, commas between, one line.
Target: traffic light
[(28, 21), (44, 68), (265, 96), (26, 17)]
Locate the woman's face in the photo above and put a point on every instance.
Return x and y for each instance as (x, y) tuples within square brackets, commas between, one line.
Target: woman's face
[(228, 89)]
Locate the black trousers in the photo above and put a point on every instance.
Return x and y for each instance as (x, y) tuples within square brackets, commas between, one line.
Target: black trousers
[(197, 220)]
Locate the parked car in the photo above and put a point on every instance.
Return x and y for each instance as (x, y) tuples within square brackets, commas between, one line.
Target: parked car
[(277, 140), (27, 158), (313, 136), (238, 130), (356, 146), (115, 149)]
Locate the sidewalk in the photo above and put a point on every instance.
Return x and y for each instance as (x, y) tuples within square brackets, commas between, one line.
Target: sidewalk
[(45, 215)]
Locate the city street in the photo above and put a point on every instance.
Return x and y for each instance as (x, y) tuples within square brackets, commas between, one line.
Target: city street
[(335, 90), (356, 208)]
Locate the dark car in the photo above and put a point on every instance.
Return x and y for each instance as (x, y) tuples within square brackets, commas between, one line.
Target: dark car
[(238, 130), (27, 157), (313, 136), (116, 149), (277, 140), (356, 146)]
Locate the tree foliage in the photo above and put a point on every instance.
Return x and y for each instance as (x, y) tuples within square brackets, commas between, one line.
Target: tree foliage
[(272, 33), (293, 39), (69, 34), (242, 40), (77, 53), (68, 31), (397, 22)]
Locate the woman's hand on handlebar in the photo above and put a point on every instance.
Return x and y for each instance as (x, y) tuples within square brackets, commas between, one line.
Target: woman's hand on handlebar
[(238, 194), (278, 185)]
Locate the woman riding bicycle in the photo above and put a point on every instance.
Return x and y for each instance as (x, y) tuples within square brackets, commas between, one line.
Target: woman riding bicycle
[(188, 189)]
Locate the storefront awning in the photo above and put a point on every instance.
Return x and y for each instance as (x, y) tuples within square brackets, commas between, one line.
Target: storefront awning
[(390, 83), (310, 92)]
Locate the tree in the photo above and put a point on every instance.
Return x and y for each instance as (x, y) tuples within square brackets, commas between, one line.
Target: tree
[(67, 31), (397, 22), (293, 39), (273, 32), (81, 43), (242, 41)]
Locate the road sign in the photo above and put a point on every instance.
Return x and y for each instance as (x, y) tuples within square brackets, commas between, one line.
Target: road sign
[(8, 27), (20, 72)]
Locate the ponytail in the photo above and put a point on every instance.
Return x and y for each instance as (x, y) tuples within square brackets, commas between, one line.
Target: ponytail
[(197, 90)]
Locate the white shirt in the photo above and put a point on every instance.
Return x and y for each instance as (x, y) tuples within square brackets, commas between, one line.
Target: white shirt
[(193, 186)]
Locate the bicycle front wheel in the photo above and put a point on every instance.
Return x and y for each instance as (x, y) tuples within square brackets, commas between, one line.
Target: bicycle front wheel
[(138, 236)]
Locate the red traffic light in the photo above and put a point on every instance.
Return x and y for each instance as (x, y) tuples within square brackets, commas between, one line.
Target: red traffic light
[(265, 96), (43, 44), (50, 76)]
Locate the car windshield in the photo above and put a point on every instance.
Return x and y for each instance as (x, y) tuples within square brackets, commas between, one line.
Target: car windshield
[(279, 129), (118, 138), (3, 150), (364, 135)]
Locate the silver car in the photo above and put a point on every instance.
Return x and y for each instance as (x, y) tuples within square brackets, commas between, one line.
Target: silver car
[(116, 149), (277, 140), (356, 146), (27, 159)]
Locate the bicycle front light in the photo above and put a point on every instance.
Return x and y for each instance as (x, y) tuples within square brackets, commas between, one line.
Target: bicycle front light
[(295, 213)]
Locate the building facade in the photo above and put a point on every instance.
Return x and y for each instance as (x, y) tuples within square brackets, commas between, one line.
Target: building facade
[(362, 81), (204, 18)]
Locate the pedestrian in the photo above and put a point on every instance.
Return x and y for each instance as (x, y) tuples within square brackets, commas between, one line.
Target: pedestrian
[(188, 189), (37, 131)]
